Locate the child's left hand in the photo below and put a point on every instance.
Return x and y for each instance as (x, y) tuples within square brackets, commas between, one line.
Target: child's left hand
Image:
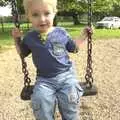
[(84, 35), (87, 30)]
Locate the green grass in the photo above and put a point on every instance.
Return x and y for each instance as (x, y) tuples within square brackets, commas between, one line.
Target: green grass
[(107, 34), (97, 34), (6, 39), (11, 25)]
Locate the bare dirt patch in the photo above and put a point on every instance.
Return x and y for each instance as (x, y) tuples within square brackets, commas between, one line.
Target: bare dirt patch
[(106, 67)]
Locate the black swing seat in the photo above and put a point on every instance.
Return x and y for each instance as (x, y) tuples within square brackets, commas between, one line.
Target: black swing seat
[(26, 92), (88, 91)]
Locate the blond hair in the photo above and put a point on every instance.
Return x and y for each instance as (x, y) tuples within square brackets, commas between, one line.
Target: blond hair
[(28, 3)]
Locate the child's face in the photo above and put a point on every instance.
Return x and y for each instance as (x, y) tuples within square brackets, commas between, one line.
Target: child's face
[(41, 16)]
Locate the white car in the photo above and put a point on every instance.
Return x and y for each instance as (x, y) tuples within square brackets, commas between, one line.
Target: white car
[(109, 22)]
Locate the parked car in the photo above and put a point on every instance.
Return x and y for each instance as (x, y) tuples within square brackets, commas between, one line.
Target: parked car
[(109, 22)]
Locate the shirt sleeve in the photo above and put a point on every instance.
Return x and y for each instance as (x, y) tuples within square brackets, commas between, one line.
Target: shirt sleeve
[(71, 45)]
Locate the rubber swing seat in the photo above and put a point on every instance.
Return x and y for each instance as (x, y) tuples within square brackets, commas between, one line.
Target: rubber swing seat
[(88, 91)]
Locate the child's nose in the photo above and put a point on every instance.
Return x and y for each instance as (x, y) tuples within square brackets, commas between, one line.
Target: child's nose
[(42, 18)]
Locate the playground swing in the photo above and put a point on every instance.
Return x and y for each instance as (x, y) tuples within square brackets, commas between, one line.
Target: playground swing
[(88, 87)]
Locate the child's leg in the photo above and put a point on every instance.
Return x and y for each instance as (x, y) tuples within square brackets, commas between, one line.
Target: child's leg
[(43, 101), (68, 99)]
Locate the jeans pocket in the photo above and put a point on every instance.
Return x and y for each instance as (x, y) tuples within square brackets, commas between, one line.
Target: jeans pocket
[(79, 91), (75, 92)]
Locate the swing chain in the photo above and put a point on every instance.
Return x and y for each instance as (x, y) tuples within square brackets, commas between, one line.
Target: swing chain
[(27, 80), (15, 14), (89, 70)]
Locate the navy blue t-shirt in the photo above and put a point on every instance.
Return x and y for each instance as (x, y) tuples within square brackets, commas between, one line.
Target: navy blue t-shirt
[(50, 58)]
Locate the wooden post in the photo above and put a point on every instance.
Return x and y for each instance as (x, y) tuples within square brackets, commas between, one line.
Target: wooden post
[(2, 23)]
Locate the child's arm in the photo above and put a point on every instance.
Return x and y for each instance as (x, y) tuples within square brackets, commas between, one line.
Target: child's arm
[(73, 45), (21, 48)]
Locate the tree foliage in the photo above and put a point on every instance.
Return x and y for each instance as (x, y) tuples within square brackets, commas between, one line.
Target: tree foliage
[(4, 2), (72, 5)]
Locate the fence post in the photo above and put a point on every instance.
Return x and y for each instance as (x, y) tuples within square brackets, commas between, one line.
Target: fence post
[(2, 23)]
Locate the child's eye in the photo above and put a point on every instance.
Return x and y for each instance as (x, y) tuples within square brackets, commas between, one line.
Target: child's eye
[(47, 13), (35, 14)]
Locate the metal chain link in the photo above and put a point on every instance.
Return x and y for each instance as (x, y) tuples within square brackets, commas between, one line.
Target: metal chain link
[(89, 70), (15, 14), (27, 80)]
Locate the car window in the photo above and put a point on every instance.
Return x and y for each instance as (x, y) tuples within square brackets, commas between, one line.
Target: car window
[(117, 19), (107, 19)]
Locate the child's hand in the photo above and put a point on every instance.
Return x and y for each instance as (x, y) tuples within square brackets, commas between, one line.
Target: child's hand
[(83, 37), (86, 32), (16, 33)]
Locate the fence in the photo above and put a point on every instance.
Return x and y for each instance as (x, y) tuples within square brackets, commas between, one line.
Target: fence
[(8, 26), (6, 23)]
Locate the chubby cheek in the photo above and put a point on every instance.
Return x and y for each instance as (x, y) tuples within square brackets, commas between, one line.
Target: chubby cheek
[(35, 23), (50, 19)]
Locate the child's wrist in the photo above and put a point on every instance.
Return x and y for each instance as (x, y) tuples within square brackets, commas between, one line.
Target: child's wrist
[(17, 40)]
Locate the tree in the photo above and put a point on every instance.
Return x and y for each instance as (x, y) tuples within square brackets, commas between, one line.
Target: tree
[(100, 8), (1, 2), (19, 5), (73, 8), (116, 8), (106, 8)]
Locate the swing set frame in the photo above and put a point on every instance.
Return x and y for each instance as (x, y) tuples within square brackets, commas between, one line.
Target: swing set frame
[(88, 87)]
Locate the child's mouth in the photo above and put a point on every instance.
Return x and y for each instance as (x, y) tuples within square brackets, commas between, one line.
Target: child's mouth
[(42, 25)]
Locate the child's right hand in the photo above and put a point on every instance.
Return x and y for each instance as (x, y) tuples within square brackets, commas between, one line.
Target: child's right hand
[(16, 33)]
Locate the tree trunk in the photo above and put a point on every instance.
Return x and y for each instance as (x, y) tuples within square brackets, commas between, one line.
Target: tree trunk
[(76, 18)]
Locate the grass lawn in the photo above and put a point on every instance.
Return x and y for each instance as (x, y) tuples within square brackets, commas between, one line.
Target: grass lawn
[(98, 33), (6, 39)]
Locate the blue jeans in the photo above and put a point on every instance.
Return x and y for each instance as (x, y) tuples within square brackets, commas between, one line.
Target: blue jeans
[(64, 88)]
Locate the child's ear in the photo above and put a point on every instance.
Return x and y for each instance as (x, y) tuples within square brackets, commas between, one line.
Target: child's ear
[(55, 11)]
